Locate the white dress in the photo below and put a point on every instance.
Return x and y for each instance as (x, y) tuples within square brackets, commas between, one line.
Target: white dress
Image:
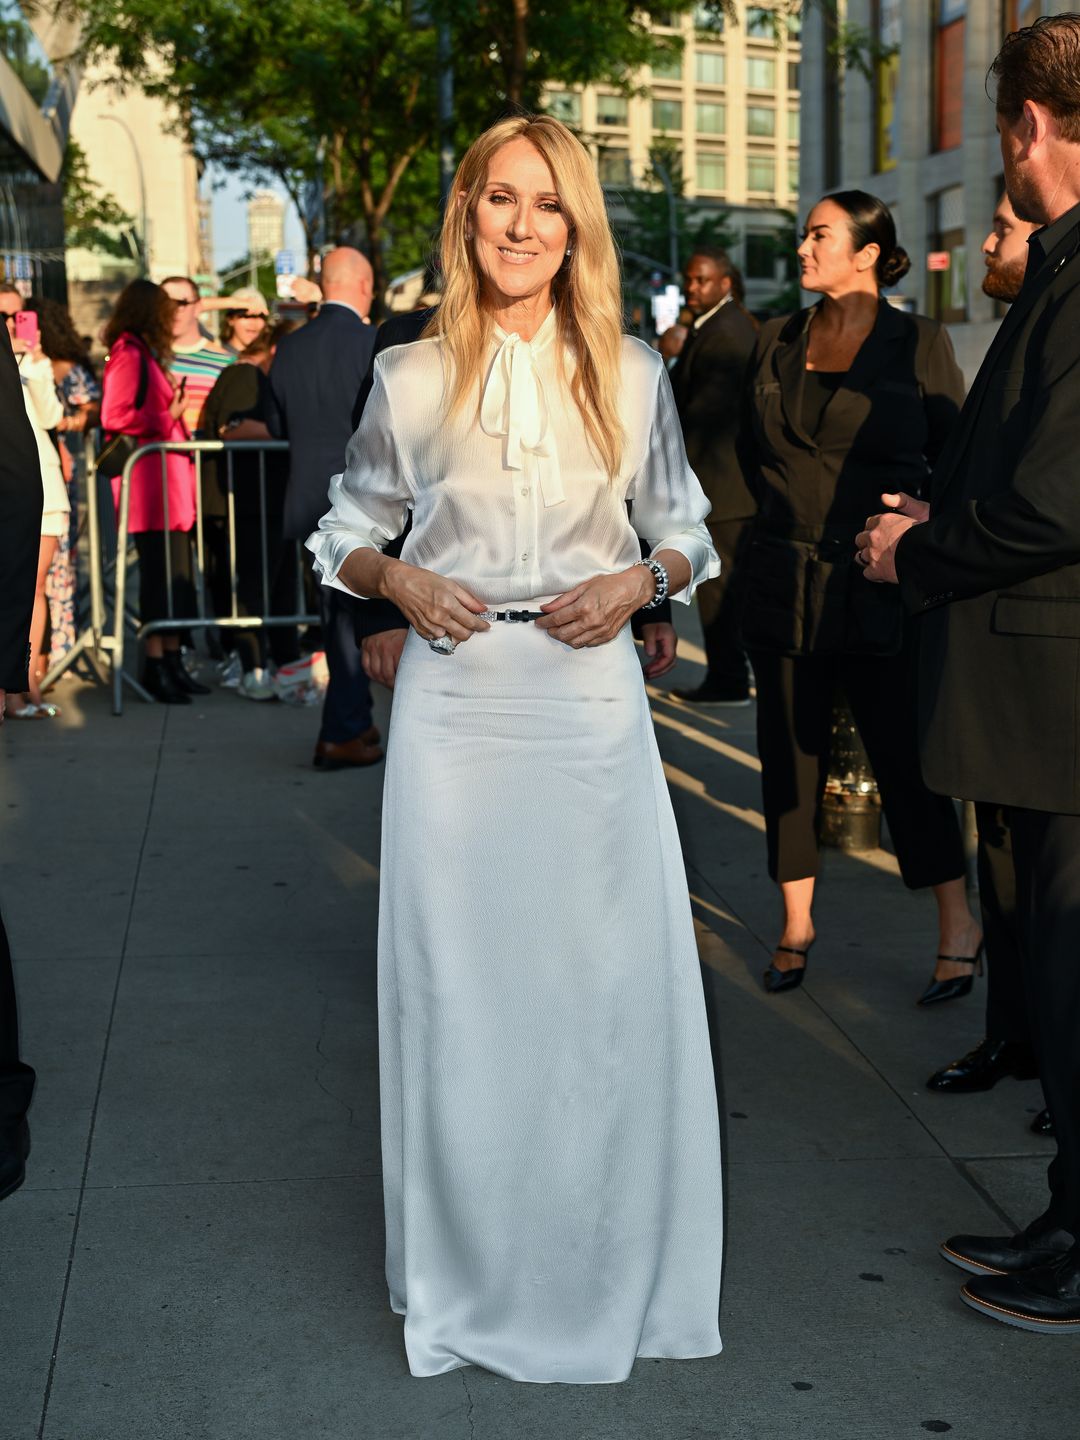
[(551, 1149), (44, 411)]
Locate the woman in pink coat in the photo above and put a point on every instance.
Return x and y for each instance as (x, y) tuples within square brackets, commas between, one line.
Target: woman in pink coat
[(140, 399)]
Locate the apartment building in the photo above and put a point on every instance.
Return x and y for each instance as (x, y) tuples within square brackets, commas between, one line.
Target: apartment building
[(730, 106)]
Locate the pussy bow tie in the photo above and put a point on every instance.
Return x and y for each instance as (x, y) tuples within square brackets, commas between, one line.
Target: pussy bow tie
[(514, 406)]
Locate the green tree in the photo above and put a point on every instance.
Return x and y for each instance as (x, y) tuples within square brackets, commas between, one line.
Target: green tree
[(93, 220), (20, 48), (342, 93)]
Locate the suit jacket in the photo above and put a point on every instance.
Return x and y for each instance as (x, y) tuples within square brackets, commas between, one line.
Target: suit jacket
[(20, 524), (314, 380), (708, 381), (996, 570), (374, 616), (882, 429)]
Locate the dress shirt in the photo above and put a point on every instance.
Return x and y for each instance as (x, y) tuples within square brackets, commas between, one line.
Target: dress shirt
[(703, 319), (1044, 242), (510, 500)]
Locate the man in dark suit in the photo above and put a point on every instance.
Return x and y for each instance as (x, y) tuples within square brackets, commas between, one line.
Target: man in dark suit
[(995, 571), (381, 628), (314, 380), (1007, 1047), (20, 532), (708, 383)]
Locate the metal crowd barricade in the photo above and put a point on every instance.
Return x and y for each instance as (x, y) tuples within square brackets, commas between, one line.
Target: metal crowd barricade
[(107, 645)]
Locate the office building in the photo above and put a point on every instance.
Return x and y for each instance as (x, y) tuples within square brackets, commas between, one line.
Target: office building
[(266, 223), (729, 105)]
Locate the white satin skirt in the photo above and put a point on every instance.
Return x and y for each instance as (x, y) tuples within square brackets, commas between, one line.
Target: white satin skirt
[(550, 1135)]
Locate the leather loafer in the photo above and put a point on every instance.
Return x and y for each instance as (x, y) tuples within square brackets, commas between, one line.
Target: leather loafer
[(1042, 1124), (1040, 1244), (1046, 1299), (983, 1067), (364, 750), (14, 1148)]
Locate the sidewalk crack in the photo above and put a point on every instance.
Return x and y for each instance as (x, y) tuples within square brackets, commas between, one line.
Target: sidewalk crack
[(326, 1058), (469, 1411)]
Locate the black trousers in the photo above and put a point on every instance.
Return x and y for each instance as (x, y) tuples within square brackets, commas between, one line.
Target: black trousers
[(347, 707), (1046, 853), (16, 1079), (253, 646), (795, 697), (153, 587), (1006, 997), (720, 607)]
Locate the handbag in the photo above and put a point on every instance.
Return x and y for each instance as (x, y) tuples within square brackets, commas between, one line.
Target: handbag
[(118, 448)]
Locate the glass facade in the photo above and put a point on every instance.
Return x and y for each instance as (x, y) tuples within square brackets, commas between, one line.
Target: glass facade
[(711, 118)]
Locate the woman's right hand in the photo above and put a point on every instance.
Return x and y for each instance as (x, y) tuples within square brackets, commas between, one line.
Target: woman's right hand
[(902, 504), (177, 403), (433, 605)]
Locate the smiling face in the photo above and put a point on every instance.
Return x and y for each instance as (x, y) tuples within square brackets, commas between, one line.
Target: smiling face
[(247, 325), (829, 262), (519, 230)]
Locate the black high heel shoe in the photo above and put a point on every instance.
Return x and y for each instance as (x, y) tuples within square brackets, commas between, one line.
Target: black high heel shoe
[(180, 675), (959, 985), (776, 980)]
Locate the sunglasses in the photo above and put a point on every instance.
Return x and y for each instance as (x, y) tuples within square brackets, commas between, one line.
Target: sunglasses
[(246, 314), (182, 303)]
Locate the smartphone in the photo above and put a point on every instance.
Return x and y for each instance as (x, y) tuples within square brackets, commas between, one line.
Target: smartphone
[(27, 327)]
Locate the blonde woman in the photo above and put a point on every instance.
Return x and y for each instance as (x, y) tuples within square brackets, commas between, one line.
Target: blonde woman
[(550, 1136)]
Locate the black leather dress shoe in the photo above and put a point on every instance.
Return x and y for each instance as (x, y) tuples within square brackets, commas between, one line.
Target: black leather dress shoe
[(14, 1148), (723, 696), (1046, 1299), (983, 1067), (1042, 1124), (1041, 1243)]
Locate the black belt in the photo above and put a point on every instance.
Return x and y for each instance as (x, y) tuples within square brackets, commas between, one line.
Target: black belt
[(514, 617)]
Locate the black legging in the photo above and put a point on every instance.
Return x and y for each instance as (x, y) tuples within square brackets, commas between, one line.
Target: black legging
[(153, 597), (795, 697)]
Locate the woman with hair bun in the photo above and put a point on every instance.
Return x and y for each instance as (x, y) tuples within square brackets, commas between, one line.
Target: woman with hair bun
[(550, 1136), (847, 399)]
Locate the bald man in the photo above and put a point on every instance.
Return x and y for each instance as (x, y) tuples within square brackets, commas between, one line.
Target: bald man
[(314, 381)]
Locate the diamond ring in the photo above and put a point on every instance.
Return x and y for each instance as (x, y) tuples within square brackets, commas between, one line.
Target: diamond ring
[(444, 645)]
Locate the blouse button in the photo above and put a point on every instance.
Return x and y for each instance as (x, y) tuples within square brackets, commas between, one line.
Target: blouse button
[(524, 490), (524, 555)]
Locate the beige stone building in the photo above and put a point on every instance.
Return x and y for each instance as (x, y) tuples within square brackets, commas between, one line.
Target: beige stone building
[(265, 223), (730, 104)]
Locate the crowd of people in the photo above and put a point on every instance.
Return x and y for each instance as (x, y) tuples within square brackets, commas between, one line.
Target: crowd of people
[(517, 488)]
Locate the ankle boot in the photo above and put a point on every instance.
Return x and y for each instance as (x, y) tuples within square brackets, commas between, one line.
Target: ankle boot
[(158, 680), (178, 670)]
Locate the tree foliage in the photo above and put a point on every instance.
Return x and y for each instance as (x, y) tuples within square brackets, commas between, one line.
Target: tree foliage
[(93, 220)]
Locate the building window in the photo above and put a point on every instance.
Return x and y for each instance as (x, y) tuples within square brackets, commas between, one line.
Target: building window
[(667, 114), (949, 75), (793, 75), (793, 126), (711, 118), (761, 174), (711, 171), (760, 24), (887, 86), (565, 106), (761, 121), (760, 73), (947, 291), (1018, 14), (760, 253), (613, 167), (669, 68), (665, 20), (793, 174), (709, 67), (708, 19), (611, 109)]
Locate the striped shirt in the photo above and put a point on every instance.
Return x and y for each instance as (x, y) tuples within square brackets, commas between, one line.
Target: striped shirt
[(199, 365)]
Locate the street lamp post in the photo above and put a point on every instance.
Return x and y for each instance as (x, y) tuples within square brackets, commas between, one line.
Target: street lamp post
[(143, 237)]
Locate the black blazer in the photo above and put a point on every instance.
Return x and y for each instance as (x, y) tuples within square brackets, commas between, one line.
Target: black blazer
[(996, 570), (882, 430), (20, 524), (314, 380), (707, 380)]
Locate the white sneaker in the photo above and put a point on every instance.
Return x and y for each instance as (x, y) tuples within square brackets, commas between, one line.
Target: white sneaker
[(256, 685), (230, 671)]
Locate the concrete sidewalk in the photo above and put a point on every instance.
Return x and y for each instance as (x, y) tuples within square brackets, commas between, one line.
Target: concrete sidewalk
[(197, 1251)]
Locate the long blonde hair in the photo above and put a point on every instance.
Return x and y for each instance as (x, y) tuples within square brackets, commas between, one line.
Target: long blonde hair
[(585, 290)]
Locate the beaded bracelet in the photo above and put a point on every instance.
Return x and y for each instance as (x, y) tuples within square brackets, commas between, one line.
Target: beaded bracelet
[(660, 575)]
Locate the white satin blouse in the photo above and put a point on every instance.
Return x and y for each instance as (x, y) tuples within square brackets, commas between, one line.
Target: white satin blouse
[(511, 502)]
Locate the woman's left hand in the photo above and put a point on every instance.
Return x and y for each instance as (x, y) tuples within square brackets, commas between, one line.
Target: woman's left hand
[(594, 612)]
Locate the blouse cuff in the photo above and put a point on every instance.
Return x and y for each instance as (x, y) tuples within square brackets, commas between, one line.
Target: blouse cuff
[(330, 552), (698, 548)]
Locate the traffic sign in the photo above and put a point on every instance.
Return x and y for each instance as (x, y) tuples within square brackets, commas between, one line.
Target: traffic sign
[(285, 263)]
